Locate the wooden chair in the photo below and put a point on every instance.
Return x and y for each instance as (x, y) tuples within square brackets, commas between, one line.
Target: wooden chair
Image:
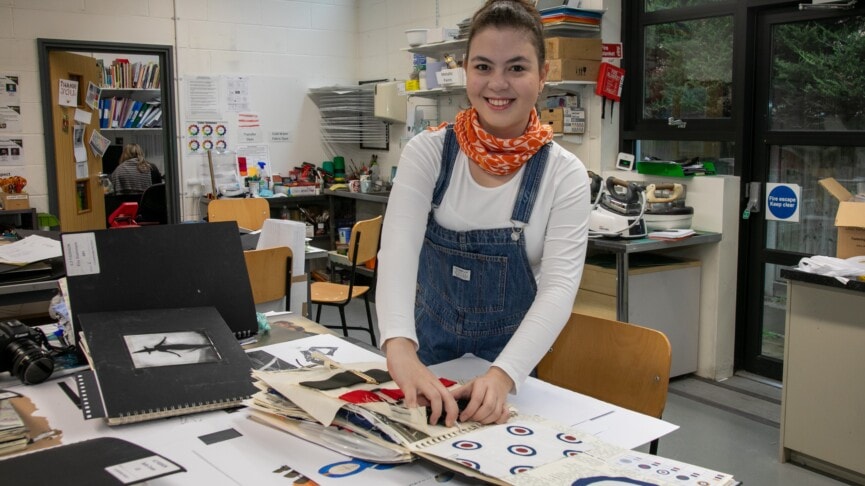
[(362, 247), (623, 364), (249, 213), (269, 272)]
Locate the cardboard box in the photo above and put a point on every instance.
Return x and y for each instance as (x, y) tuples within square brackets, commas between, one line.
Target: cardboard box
[(849, 220), (574, 117), (573, 48), (573, 70), (554, 117), (15, 201), (302, 189), (575, 120)]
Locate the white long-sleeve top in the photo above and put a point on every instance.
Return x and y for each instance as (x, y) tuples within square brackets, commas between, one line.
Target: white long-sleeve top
[(556, 239)]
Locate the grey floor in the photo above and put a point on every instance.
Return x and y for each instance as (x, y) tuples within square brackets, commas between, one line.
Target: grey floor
[(730, 426)]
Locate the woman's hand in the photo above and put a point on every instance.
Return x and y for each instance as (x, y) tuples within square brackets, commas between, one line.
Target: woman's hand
[(417, 382), (488, 397)]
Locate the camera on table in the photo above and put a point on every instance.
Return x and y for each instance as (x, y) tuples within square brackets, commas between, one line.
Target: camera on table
[(22, 354)]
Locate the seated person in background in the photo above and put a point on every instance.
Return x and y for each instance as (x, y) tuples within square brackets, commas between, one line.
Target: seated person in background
[(135, 173)]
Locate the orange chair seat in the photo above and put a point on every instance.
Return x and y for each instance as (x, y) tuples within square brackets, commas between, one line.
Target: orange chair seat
[(329, 292)]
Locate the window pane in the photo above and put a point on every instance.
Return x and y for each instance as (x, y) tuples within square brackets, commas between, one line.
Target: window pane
[(774, 312), (689, 69), (654, 5), (817, 78), (719, 153), (815, 232)]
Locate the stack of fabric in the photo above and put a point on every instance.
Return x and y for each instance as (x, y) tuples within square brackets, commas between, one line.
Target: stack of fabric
[(575, 18)]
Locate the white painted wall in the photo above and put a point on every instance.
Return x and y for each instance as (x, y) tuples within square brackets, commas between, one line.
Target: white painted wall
[(284, 46)]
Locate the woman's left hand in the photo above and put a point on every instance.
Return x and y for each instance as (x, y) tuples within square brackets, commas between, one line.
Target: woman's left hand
[(487, 396)]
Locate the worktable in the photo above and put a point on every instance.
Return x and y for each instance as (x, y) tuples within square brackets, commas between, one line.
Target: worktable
[(823, 399), (623, 248), (253, 451)]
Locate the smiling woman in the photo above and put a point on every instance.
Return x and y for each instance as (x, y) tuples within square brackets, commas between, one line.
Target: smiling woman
[(475, 208)]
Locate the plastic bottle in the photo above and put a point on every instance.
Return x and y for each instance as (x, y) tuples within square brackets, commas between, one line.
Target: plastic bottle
[(264, 175)]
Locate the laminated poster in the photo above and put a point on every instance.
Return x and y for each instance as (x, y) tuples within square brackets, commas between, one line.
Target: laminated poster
[(9, 95), (11, 151)]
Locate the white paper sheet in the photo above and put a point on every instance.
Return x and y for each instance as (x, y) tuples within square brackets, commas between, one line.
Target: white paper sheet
[(33, 248)]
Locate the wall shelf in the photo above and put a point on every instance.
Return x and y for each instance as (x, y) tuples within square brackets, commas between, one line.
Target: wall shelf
[(550, 88)]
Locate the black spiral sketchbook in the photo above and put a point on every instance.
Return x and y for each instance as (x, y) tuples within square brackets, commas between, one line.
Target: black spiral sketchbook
[(156, 363), (96, 462), (160, 267)]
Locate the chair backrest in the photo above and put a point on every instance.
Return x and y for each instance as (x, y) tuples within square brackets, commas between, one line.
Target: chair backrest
[(153, 208), (249, 213), (623, 364), (369, 232), (269, 273)]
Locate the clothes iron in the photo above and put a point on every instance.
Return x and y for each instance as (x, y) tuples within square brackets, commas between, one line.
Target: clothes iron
[(618, 211), (665, 207)]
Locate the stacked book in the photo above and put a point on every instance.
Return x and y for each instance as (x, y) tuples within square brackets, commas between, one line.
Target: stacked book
[(129, 113), (123, 74), (356, 410), (13, 433)]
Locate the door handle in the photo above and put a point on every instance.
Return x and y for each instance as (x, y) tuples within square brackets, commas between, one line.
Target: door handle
[(752, 192)]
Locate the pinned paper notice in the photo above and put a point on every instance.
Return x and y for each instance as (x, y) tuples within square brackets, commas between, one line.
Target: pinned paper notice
[(81, 171), (93, 94), (82, 116), (281, 137), (68, 94), (78, 144), (98, 143)]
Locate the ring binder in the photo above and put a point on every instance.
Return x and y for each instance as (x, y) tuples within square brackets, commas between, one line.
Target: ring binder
[(110, 270)]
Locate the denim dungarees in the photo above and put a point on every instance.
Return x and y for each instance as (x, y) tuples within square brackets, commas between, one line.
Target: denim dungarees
[(474, 287)]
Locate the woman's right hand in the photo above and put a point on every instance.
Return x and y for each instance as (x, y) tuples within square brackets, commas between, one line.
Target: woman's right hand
[(417, 382)]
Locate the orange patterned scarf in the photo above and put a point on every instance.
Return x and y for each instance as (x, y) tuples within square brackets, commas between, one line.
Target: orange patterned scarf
[(499, 156)]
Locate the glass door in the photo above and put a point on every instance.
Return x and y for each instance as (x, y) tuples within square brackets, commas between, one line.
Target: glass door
[(809, 115)]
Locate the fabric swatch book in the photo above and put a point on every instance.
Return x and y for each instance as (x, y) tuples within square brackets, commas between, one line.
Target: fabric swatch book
[(154, 363), (105, 461), (354, 409)]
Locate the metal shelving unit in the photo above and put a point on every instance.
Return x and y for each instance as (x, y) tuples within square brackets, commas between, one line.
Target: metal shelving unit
[(347, 115)]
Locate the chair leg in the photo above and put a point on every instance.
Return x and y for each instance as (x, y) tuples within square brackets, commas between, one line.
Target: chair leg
[(318, 314), (369, 319), (342, 318), (653, 447)]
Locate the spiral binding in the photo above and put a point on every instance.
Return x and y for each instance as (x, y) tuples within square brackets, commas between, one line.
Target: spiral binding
[(430, 441), (174, 410)]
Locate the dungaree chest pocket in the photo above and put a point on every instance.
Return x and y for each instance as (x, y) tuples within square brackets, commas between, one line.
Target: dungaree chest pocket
[(470, 282)]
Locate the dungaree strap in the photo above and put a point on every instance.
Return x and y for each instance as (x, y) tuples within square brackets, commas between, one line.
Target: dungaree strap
[(449, 156), (529, 185)]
